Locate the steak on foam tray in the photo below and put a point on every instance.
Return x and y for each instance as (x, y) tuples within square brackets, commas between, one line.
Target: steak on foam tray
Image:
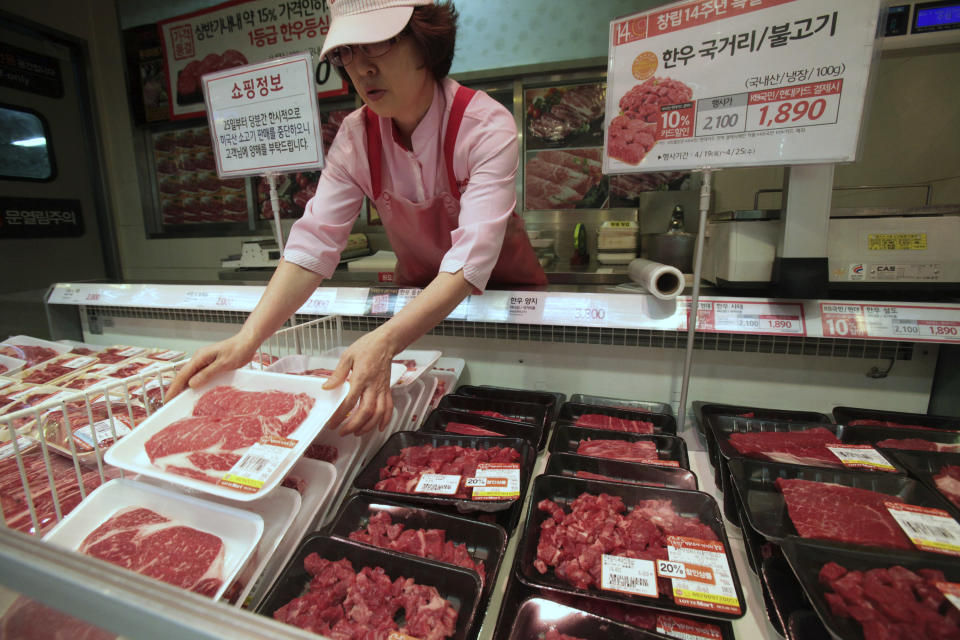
[(225, 423)]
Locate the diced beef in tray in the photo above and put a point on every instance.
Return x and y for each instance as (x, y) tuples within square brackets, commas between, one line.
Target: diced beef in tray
[(892, 603), (948, 482), (571, 544), (153, 545), (402, 472), (225, 423), (346, 604), (843, 514), (807, 447), (426, 543), (613, 423)]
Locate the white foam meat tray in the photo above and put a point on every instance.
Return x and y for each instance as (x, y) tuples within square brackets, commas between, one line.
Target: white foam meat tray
[(423, 359), (299, 363), (129, 453), (239, 530)]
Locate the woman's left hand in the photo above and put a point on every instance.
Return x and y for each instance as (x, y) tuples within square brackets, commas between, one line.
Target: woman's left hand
[(369, 403)]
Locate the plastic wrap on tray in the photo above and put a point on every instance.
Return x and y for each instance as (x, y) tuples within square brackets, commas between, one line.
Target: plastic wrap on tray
[(464, 423), (893, 439), (52, 370), (541, 618), (549, 399), (671, 451), (882, 418), (706, 409), (615, 419), (461, 588), (939, 472), (689, 510), (485, 543), (571, 464), (765, 507), (92, 425), (528, 412), (646, 406), (31, 350)]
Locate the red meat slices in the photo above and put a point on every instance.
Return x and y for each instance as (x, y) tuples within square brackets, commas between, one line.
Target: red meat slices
[(501, 416), (347, 605), (153, 545), (573, 543), (917, 444), (629, 140), (31, 354), (643, 102), (613, 423), (28, 619), (225, 423), (403, 471), (468, 429), (885, 423), (891, 603), (796, 447), (426, 543), (642, 451), (553, 634), (948, 482), (131, 369), (114, 355), (589, 475), (50, 372), (843, 514), (78, 417), (324, 452)]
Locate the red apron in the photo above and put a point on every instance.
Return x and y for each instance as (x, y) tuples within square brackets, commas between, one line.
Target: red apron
[(420, 233)]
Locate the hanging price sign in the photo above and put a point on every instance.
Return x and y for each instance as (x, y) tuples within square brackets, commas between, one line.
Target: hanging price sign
[(744, 316), (704, 84), (892, 322)]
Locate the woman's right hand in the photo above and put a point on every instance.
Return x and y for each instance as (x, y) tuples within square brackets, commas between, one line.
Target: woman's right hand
[(207, 362)]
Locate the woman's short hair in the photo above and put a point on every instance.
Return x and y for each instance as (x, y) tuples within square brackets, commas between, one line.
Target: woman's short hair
[(433, 28)]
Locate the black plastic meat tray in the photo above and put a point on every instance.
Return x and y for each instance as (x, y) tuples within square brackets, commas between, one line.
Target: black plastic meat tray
[(647, 406), (632, 616), (459, 586), (527, 412), (860, 434), (782, 593), (537, 616), (568, 437), (549, 399), (438, 419), (568, 464), (704, 410), (663, 424), (846, 415), (564, 490), (924, 465), (806, 625), (370, 474), (766, 510), (486, 542), (806, 557)]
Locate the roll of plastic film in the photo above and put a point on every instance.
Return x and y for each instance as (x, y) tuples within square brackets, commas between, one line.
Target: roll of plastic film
[(661, 280)]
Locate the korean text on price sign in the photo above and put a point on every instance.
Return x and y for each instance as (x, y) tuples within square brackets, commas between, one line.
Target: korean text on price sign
[(724, 83), (264, 118), (890, 321)]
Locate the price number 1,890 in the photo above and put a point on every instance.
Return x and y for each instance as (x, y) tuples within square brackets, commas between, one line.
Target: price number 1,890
[(794, 112)]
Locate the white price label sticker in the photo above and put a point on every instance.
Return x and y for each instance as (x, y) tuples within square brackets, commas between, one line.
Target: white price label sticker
[(500, 481), (438, 483), (5, 382), (79, 363), (928, 529), (23, 442), (132, 351), (168, 355), (687, 629), (252, 471), (103, 432), (628, 575), (524, 309), (668, 569), (861, 456), (708, 582)]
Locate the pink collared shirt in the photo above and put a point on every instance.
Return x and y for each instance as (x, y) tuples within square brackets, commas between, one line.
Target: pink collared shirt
[(485, 156)]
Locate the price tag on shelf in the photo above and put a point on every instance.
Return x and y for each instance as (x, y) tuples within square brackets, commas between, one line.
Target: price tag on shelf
[(687, 629), (404, 296), (861, 456), (928, 529), (890, 321), (694, 84), (525, 308), (320, 302), (252, 471), (842, 320), (708, 583), (495, 481), (439, 483), (576, 310), (628, 575), (758, 318)]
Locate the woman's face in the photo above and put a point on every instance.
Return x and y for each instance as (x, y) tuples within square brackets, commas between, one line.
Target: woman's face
[(395, 85)]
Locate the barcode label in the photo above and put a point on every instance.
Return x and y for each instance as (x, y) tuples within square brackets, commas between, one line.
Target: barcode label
[(438, 483), (23, 442), (928, 529), (257, 465), (628, 575), (862, 457), (708, 583), (102, 430)]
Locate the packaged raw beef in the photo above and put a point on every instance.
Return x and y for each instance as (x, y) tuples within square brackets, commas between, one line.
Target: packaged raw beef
[(568, 464), (851, 416), (526, 412), (131, 367), (550, 399), (404, 472), (31, 350), (28, 619), (23, 396), (644, 406), (111, 419), (916, 444), (154, 545), (707, 410), (948, 482), (224, 424), (547, 619), (119, 353), (471, 424), (50, 371), (616, 419), (659, 450)]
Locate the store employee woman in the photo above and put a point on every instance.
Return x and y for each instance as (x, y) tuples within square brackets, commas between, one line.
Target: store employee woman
[(438, 160)]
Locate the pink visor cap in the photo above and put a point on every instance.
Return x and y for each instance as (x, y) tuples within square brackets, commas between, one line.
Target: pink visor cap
[(365, 21)]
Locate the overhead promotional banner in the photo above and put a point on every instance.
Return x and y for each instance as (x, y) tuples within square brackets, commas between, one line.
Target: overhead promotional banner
[(725, 83), (263, 118), (237, 33)]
